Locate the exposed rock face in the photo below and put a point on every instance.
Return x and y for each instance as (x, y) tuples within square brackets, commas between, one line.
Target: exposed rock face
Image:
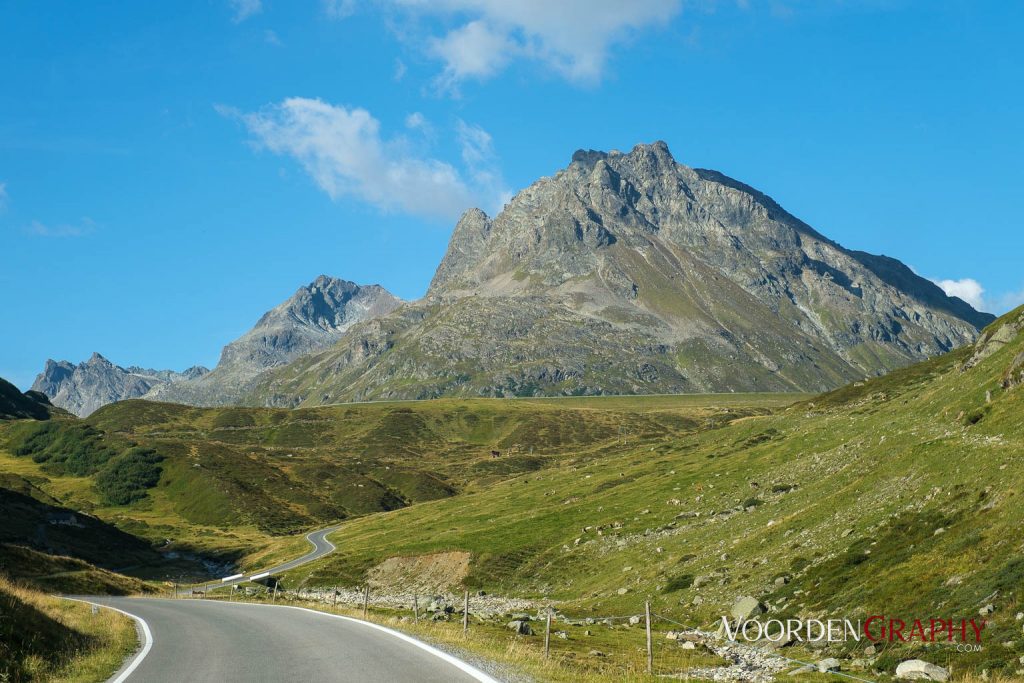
[(83, 388), (631, 273), (313, 319)]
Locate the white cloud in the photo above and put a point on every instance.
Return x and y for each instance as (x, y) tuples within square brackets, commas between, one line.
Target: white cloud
[(571, 36), (339, 9), (85, 227), (474, 50), (400, 69), (972, 291), (271, 38), (3, 196), (343, 151), (968, 289), (244, 9)]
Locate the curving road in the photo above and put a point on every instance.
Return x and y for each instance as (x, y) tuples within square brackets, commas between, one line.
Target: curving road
[(224, 642), (321, 547), (227, 642)]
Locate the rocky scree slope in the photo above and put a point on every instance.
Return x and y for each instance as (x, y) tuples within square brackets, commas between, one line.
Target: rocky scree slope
[(312, 319), (85, 387), (632, 273)]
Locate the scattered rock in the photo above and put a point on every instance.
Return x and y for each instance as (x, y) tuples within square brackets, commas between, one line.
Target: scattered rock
[(746, 607), (920, 670), (597, 653), (634, 620), (807, 669), (830, 664), (689, 645), (987, 610), (622, 591), (521, 627)]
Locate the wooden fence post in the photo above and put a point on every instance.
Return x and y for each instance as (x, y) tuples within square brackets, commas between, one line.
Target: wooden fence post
[(274, 599), (335, 596), (416, 607), (366, 601), (650, 646), (465, 614), (547, 635)]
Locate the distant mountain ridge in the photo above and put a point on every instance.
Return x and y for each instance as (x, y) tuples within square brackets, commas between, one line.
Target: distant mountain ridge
[(94, 383), (311, 320), (632, 273)]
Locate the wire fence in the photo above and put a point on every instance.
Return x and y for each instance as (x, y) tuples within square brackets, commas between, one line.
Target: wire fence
[(664, 650)]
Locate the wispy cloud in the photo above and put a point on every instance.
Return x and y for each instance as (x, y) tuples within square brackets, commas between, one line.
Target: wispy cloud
[(339, 9), (343, 150), (572, 37), (244, 9), (271, 38), (84, 227), (3, 196), (1009, 301)]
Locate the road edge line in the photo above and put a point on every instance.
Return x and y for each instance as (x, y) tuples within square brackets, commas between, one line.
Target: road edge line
[(463, 666), (128, 670)]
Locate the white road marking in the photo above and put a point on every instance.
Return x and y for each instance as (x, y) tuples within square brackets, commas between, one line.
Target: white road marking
[(146, 646), (231, 578), (465, 667)]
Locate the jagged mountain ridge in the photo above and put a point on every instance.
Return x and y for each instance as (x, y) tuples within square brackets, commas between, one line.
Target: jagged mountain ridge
[(312, 319), (631, 273), (94, 383)]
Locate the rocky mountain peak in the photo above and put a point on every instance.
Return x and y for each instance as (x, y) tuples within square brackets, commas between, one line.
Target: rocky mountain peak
[(95, 382), (310, 320)]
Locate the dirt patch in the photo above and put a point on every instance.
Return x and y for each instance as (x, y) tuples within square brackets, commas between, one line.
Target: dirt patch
[(434, 572)]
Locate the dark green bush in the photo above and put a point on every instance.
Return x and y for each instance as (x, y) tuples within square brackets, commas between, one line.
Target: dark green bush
[(678, 583), (125, 478), (63, 447)]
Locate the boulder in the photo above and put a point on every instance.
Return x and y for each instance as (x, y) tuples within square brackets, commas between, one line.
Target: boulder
[(806, 669), (920, 670), (746, 607), (827, 665), (519, 626)]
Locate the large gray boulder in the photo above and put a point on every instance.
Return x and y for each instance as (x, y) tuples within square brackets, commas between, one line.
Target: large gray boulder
[(745, 608), (920, 670)]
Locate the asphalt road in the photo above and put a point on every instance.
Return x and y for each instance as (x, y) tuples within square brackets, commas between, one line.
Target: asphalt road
[(224, 642), (321, 547)]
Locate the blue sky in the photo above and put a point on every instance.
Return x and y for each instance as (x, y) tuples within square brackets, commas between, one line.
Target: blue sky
[(169, 171)]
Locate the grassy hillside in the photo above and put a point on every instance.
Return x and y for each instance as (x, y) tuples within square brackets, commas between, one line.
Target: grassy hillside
[(44, 638), (238, 484), (895, 496)]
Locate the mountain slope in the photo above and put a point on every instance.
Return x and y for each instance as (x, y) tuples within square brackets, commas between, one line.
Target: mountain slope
[(630, 273), (895, 496), (83, 388), (312, 319), (15, 405)]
